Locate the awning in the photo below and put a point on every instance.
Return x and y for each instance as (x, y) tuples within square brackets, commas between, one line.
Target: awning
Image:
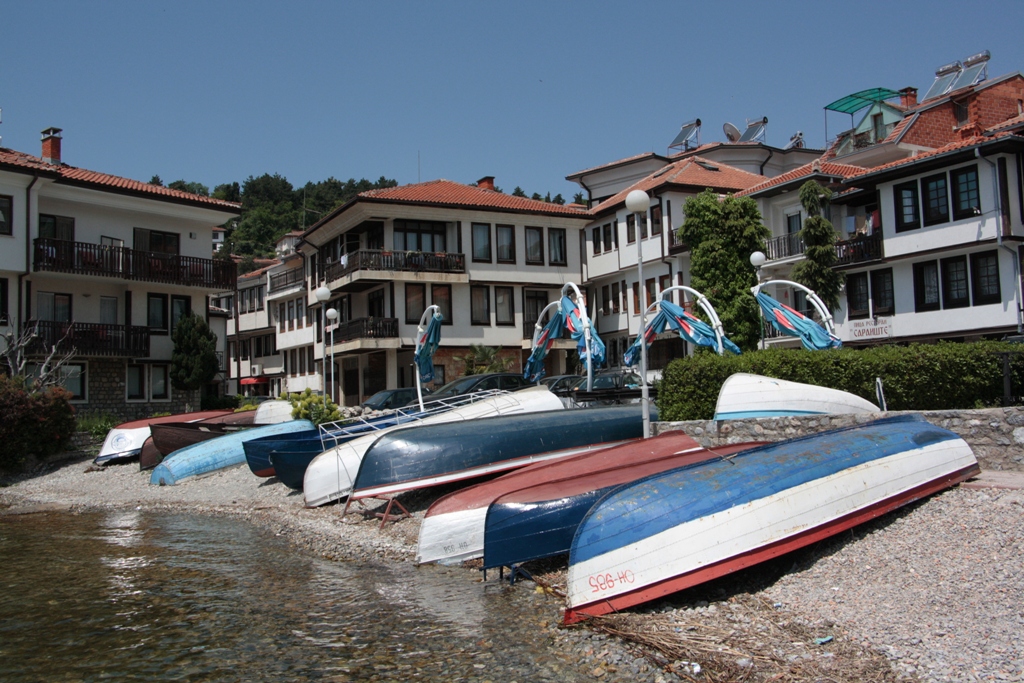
[(254, 380), (859, 100)]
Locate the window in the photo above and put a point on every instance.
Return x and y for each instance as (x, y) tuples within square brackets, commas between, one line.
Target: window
[(441, 296), (651, 292), (291, 315), (156, 241), (5, 314), (415, 302), (966, 202), (375, 303), (73, 379), (257, 350), (907, 217), (282, 317), (52, 306), (480, 305), (656, 219), (535, 246), (595, 238), (636, 298), (625, 294), (606, 229), (158, 381), (243, 349), (926, 286), (615, 297), (439, 376), (419, 236), (882, 296), (606, 300), (482, 242), (136, 382), (180, 307), (300, 313), (985, 278), (936, 199), (954, 282), (533, 303), (57, 227), (793, 223), (108, 310), (506, 242), (156, 317), (259, 297), (293, 363), (6, 215), (630, 228), (310, 362), (878, 126), (857, 295), (302, 362), (556, 247), (962, 115), (504, 306)]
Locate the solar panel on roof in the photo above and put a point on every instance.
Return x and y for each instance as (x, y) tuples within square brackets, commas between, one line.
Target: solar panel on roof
[(687, 134), (941, 85), (971, 75), (753, 131)]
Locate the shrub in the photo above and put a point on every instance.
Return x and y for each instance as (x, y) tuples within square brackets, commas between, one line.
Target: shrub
[(36, 424), (309, 406), (219, 402), (943, 376), (97, 424)]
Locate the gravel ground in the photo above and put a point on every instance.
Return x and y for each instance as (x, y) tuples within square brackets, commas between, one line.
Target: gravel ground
[(933, 591)]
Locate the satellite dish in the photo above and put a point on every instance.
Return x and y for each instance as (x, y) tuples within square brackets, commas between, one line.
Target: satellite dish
[(731, 131)]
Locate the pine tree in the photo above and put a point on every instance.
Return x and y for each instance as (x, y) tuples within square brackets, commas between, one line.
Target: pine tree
[(816, 270), (194, 359)]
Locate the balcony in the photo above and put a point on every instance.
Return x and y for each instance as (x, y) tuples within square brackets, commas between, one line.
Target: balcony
[(675, 244), (287, 279), (83, 258), (860, 249), (784, 246), (90, 339), (366, 328), (396, 261)]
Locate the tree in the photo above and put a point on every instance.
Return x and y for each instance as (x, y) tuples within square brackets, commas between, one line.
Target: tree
[(228, 192), (816, 270), (155, 180), (481, 359), (518, 192), (722, 234), (194, 359), (191, 187), (578, 198)]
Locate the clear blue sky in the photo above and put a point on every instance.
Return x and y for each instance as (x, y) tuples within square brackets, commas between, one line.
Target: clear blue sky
[(528, 92)]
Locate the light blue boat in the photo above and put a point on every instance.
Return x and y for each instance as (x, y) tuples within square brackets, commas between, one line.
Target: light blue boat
[(216, 454)]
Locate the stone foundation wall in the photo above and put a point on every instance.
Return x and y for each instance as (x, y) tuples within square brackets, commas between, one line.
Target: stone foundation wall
[(996, 434), (106, 387)]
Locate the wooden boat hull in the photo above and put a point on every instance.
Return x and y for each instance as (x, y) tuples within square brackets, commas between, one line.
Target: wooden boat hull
[(745, 396), (125, 441), (151, 455), (174, 436), (215, 454), (452, 530), (435, 454), (541, 521), (329, 475), (686, 526)]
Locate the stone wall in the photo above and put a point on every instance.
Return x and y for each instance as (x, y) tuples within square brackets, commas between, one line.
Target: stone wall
[(106, 387), (996, 434)]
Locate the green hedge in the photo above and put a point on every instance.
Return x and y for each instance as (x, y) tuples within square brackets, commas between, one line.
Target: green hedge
[(943, 376), (35, 423), (219, 402)]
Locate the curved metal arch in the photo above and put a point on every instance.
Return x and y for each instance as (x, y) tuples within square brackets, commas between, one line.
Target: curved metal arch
[(812, 296), (584, 318), (705, 304)]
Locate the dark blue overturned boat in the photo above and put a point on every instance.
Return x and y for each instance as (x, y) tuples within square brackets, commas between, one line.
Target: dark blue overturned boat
[(257, 451), (418, 457), (291, 461)]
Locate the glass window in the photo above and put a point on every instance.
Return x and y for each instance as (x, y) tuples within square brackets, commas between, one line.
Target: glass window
[(375, 303), (6, 215), (180, 307), (556, 247), (136, 382), (793, 224), (936, 199), (630, 228), (615, 297), (73, 379), (651, 292), (415, 302), (906, 207), (300, 312), (535, 246), (52, 306), (482, 242), (506, 240), (5, 314), (606, 229), (419, 236), (966, 200), (636, 298), (108, 310), (595, 238), (310, 360), (480, 305), (441, 296), (157, 313), (504, 306), (926, 286), (857, 295), (291, 315), (656, 219), (954, 282), (282, 317), (985, 278), (302, 362), (606, 302), (158, 380), (57, 227), (882, 296)]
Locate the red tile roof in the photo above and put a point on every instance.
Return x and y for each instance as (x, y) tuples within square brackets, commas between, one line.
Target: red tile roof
[(261, 270), (617, 162), (103, 181), (945, 149), (457, 195), (816, 167)]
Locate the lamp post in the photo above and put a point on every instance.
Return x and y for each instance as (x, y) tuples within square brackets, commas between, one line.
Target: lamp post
[(757, 260), (638, 202), (323, 293), (332, 315)]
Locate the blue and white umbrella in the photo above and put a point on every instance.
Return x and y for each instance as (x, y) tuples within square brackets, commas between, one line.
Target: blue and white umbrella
[(689, 327), (795, 324), (426, 346)]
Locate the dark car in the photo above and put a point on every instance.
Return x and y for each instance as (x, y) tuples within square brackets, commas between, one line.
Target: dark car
[(506, 381), (389, 399), (560, 383)]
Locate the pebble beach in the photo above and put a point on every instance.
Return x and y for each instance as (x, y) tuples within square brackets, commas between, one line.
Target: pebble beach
[(931, 592)]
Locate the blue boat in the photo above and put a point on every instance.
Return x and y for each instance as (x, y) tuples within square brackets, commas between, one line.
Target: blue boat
[(290, 464), (216, 454), (257, 451), (680, 528), (418, 457)]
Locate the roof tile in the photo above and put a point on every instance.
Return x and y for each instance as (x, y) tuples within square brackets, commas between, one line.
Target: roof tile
[(449, 193)]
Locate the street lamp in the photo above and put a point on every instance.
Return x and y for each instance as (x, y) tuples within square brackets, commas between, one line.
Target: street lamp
[(332, 315), (638, 202), (757, 260), (323, 293)]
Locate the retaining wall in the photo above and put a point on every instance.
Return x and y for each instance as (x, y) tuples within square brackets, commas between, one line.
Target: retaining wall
[(996, 434)]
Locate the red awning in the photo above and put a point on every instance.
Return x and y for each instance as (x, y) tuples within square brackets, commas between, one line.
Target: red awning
[(254, 380)]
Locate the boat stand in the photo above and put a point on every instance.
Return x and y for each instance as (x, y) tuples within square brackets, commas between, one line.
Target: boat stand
[(385, 516)]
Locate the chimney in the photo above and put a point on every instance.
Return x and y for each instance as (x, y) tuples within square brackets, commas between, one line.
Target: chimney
[(51, 146), (908, 98), (486, 183)]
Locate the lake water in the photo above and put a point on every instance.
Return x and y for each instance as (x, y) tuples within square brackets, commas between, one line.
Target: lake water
[(129, 595)]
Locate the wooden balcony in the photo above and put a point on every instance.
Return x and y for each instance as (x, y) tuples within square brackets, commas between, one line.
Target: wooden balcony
[(860, 249), (83, 258), (675, 244), (396, 261), (784, 246), (366, 328), (288, 278), (90, 339)]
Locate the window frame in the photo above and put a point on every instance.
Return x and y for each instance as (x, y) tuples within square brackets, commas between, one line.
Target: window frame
[(83, 367), (539, 232), (556, 235), (903, 225), (479, 243), (928, 217), (977, 296), (956, 178), (876, 284), (446, 315), (59, 223), (595, 240), (606, 299), (477, 317), (412, 318), (945, 266), (656, 218), (144, 380), (511, 231), (920, 305), (5, 311), (164, 329), (858, 313), (166, 396), (609, 240), (510, 293), (179, 298), (630, 228), (7, 214)]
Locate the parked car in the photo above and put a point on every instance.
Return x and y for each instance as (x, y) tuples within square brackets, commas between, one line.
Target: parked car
[(506, 381), (389, 399), (560, 383), (611, 383)]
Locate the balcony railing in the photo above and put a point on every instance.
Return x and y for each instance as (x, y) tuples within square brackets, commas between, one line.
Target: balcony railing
[(366, 328), (676, 243), (286, 279), (84, 258), (860, 249), (784, 246), (90, 339), (408, 261)]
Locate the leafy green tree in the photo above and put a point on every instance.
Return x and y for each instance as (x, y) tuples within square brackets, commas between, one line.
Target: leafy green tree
[(578, 198), (192, 187), (722, 235), (816, 270), (558, 199), (518, 192), (194, 358), (156, 180), (481, 359), (229, 192)]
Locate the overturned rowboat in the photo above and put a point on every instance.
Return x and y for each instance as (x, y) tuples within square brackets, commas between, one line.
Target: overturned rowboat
[(744, 396)]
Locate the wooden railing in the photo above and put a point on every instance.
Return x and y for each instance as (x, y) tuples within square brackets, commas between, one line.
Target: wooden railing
[(366, 328), (287, 279), (89, 339), (860, 249), (784, 246), (83, 258), (408, 261), (676, 244)]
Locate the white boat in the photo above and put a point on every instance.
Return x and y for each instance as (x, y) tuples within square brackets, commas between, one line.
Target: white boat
[(745, 396), (273, 412), (331, 474)]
